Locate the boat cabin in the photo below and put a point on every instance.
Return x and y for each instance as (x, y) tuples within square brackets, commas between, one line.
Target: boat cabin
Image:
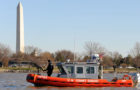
[(78, 70)]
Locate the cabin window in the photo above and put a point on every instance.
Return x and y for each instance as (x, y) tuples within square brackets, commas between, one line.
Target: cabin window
[(79, 70), (70, 69), (90, 70)]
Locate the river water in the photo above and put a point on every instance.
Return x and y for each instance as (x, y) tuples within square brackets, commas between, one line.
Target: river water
[(17, 81)]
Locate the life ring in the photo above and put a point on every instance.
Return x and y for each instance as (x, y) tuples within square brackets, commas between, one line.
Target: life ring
[(127, 76)]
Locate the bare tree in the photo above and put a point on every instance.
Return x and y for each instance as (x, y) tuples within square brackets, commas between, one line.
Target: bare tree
[(47, 56), (93, 48), (63, 55), (32, 50), (135, 52), (116, 58), (115, 55), (5, 54), (129, 60), (107, 61)]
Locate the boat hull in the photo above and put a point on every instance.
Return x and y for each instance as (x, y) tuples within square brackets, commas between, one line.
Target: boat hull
[(39, 80)]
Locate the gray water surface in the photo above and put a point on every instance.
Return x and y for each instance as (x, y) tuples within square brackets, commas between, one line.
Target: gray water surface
[(17, 81)]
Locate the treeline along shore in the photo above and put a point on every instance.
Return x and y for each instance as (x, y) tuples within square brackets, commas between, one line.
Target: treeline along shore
[(22, 62)]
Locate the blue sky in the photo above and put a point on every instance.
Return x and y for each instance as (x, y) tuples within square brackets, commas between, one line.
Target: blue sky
[(53, 24)]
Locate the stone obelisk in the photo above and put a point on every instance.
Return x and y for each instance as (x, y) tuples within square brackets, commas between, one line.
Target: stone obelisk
[(20, 30)]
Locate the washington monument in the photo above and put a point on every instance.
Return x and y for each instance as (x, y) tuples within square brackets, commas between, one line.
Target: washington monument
[(20, 30)]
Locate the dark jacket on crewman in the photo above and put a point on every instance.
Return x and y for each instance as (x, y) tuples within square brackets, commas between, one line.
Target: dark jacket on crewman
[(49, 69)]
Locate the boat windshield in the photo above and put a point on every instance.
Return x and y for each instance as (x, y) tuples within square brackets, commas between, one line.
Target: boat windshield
[(61, 69)]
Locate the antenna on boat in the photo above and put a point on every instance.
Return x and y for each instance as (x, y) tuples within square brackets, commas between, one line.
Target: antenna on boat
[(74, 46)]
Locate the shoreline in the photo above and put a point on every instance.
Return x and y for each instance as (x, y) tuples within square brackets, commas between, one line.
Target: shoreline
[(33, 70), (22, 70)]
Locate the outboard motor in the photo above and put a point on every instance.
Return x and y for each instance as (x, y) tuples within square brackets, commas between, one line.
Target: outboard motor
[(136, 79)]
